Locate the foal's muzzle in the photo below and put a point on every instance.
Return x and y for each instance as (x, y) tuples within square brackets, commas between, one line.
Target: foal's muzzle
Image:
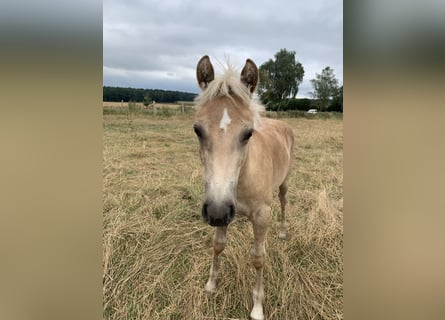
[(218, 214)]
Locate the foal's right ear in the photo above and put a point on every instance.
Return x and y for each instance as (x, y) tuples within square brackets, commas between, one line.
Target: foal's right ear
[(249, 75), (204, 72)]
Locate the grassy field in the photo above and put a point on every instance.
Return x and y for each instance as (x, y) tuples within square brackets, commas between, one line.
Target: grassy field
[(113, 104), (157, 250)]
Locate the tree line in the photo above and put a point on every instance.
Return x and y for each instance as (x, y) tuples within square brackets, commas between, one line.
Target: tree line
[(143, 95)]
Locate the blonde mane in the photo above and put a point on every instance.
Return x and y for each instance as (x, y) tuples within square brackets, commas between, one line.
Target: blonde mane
[(229, 85)]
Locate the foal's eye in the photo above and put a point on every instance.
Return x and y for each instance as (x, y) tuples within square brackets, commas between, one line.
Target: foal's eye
[(197, 130), (246, 135)]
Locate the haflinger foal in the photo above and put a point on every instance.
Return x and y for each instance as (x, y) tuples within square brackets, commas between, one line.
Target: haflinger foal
[(245, 158)]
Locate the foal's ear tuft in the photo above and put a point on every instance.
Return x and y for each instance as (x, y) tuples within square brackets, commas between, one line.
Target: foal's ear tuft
[(249, 75), (204, 72)]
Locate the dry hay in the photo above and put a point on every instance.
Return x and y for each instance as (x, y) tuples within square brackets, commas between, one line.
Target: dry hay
[(157, 250)]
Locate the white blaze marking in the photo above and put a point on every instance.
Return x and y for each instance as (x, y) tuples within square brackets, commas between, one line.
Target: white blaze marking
[(225, 120)]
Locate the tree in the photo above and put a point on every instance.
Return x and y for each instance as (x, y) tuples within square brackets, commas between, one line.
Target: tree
[(147, 100), (325, 87), (280, 78), (337, 101)]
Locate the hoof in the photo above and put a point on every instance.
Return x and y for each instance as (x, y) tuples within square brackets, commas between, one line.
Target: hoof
[(257, 314), (283, 229), (210, 287), (256, 317)]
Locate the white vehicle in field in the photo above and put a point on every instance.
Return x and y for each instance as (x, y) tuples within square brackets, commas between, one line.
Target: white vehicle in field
[(312, 111)]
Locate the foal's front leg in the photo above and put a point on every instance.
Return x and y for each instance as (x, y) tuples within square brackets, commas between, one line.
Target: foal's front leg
[(219, 242), (260, 224)]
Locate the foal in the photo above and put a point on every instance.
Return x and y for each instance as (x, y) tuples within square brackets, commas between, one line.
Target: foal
[(245, 158)]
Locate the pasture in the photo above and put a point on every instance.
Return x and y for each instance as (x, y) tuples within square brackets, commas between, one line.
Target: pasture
[(157, 250), (140, 105)]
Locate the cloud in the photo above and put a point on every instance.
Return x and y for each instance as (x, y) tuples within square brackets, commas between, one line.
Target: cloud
[(151, 44)]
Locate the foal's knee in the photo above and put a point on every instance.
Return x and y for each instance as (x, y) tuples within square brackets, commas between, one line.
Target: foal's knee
[(257, 256), (219, 240), (218, 246), (258, 261)]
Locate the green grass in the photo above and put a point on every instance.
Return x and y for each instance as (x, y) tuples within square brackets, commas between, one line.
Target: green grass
[(157, 250)]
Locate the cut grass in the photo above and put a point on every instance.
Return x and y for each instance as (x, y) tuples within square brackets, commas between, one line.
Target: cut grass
[(157, 250)]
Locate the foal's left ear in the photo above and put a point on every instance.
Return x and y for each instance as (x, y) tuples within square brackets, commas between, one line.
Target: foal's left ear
[(249, 75)]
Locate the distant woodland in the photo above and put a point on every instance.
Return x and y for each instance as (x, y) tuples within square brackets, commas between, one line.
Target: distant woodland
[(141, 95)]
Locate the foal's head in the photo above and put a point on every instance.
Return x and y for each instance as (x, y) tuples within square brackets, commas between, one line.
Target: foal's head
[(224, 125)]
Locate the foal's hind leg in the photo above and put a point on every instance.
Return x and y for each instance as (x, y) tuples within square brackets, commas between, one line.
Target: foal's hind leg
[(283, 201), (219, 242)]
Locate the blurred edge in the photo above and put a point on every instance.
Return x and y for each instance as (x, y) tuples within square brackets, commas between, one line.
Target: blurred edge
[(394, 156), (51, 190), (50, 174)]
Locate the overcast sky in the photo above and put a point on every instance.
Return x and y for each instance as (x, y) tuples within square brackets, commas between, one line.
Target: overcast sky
[(157, 44)]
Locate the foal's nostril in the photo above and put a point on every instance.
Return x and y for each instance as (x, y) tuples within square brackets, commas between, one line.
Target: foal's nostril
[(231, 213), (205, 214)]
